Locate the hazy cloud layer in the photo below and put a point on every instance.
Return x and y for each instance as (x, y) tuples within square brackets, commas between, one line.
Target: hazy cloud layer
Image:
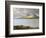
[(19, 12)]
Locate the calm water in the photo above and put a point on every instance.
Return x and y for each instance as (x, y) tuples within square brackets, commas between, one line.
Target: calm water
[(29, 22)]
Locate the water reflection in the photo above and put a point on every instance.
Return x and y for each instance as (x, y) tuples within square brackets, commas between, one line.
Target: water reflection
[(26, 22)]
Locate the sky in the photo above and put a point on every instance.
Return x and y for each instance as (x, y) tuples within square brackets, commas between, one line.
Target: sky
[(19, 12)]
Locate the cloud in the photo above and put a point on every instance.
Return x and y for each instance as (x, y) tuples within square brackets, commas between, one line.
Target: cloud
[(19, 12)]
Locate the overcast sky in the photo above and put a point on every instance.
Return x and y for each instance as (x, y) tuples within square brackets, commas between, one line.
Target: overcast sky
[(19, 12)]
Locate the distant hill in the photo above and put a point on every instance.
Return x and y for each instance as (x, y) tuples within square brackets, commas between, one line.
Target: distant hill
[(29, 17)]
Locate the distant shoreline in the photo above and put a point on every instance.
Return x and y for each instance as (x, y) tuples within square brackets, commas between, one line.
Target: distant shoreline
[(24, 27)]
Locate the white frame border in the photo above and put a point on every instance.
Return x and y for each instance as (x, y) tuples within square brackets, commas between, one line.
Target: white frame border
[(25, 31)]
